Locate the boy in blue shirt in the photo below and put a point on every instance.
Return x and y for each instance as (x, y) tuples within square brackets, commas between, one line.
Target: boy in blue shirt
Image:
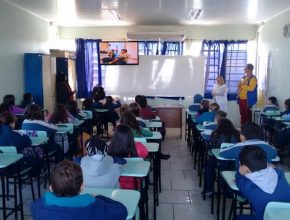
[(260, 183), (65, 202)]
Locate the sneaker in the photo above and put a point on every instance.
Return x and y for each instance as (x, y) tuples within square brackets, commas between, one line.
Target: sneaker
[(164, 156)]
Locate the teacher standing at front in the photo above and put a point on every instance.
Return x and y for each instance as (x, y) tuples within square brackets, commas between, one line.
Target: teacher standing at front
[(219, 93), (247, 94)]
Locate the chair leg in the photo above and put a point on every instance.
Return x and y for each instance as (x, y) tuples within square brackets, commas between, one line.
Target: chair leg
[(32, 188), (38, 185), (15, 196), (20, 198)]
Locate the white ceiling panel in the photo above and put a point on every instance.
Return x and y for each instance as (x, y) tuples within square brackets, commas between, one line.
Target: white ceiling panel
[(152, 12)]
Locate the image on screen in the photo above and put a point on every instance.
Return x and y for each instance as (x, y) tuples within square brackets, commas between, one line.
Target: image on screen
[(119, 53)]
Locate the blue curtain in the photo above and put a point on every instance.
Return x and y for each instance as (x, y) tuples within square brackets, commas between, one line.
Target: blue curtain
[(87, 62), (216, 53)]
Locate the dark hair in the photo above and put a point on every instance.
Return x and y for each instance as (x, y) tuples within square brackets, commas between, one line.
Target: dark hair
[(250, 131), (128, 118), (138, 98), (60, 77), (134, 108), (88, 103), (27, 97), (124, 50), (250, 66), (273, 100), (122, 143), (143, 101), (96, 145), (9, 100), (4, 108), (253, 157), (66, 179), (197, 98), (109, 100), (205, 104), (287, 103), (33, 112), (72, 107), (59, 114), (98, 93), (214, 107), (221, 114), (7, 118), (226, 129)]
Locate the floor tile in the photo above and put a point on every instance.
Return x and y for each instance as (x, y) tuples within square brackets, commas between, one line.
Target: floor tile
[(184, 185), (172, 196), (190, 212)]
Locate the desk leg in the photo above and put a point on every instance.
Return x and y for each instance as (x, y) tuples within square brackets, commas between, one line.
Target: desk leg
[(218, 192), (3, 196)]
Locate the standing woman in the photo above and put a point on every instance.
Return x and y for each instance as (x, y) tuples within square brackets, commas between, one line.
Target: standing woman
[(219, 93), (64, 93)]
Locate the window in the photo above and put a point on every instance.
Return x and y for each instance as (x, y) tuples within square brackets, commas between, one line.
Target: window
[(160, 48), (225, 58)]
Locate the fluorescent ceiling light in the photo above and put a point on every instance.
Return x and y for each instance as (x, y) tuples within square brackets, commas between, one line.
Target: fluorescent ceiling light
[(194, 14), (113, 13)]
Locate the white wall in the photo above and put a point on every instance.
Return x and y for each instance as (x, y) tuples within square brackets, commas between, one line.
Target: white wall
[(271, 39), (20, 33)]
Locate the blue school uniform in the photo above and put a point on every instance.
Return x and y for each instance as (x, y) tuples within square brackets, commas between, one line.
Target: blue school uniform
[(82, 207), (8, 137), (268, 190)]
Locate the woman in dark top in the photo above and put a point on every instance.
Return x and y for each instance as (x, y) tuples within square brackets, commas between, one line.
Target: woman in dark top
[(64, 92)]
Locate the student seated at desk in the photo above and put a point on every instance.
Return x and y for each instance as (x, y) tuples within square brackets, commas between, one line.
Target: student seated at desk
[(27, 100), (250, 135), (8, 105), (285, 115), (146, 113), (112, 105), (34, 121), (145, 110), (129, 119), (272, 104), (33, 156), (123, 145), (65, 202), (99, 169), (224, 133), (135, 109), (72, 107), (259, 182)]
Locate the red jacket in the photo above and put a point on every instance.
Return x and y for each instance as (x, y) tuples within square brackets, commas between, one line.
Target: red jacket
[(131, 182)]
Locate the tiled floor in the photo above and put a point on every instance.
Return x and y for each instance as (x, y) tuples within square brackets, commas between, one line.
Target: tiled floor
[(181, 196)]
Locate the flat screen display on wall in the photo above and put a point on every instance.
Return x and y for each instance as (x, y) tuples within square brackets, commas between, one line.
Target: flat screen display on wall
[(119, 53)]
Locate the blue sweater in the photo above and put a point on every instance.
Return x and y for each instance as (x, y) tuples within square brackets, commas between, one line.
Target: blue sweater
[(258, 198), (8, 137), (102, 209)]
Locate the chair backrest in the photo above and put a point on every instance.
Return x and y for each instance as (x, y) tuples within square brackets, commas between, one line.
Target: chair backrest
[(41, 134), (8, 149), (271, 108), (194, 107), (277, 210), (65, 127), (87, 114), (142, 140)]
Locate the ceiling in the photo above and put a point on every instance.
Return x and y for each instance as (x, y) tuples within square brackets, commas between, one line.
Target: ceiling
[(152, 12)]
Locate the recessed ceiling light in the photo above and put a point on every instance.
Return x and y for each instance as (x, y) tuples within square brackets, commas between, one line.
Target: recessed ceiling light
[(194, 14)]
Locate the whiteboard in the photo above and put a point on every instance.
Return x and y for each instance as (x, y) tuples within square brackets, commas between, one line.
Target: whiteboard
[(157, 76)]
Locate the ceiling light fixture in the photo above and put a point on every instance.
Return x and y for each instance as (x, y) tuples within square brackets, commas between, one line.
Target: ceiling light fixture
[(194, 14), (114, 14)]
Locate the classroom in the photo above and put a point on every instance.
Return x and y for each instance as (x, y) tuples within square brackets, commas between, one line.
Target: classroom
[(157, 109)]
